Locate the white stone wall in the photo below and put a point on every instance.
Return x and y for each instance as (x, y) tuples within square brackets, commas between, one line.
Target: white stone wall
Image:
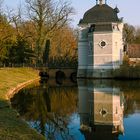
[(117, 49), (82, 49), (102, 56), (97, 61)]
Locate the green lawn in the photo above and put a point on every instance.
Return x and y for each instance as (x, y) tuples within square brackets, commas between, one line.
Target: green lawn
[(11, 126)]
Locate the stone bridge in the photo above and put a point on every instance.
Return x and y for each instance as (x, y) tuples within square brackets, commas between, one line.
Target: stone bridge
[(67, 72), (58, 72)]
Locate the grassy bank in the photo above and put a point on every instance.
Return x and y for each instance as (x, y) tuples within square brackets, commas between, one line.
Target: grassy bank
[(11, 126)]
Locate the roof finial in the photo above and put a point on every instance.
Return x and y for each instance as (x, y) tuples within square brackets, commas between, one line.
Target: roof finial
[(101, 2), (96, 2)]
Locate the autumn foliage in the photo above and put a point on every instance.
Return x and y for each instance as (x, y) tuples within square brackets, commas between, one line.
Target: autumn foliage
[(23, 38)]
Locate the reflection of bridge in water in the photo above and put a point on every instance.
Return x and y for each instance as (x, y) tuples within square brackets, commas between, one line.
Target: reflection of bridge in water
[(100, 109)]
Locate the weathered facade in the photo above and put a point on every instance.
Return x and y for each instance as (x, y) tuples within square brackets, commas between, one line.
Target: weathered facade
[(100, 46)]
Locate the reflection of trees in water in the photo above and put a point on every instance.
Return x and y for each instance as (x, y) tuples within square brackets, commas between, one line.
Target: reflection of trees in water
[(106, 107), (132, 101), (47, 109), (63, 100), (131, 92), (131, 95)]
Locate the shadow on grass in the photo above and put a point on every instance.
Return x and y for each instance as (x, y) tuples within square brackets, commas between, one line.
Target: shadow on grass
[(4, 104)]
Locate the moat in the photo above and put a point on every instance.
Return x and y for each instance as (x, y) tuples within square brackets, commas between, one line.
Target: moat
[(88, 109)]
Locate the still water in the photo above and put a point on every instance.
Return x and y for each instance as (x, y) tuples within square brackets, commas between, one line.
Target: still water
[(86, 110)]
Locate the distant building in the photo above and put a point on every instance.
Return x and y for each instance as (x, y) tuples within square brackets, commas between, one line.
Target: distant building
[(100, 46), (133, 52)]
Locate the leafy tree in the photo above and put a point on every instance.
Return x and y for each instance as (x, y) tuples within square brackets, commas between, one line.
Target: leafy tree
[(128, 33), (7, 38), (23, 40), (137, 36), (64, 47), (46, 16), (20, 53)]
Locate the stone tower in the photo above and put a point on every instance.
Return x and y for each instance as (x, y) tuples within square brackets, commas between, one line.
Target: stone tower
[(100, 46)]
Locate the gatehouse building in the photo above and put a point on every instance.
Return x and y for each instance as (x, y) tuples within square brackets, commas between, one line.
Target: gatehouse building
[(100, 45)]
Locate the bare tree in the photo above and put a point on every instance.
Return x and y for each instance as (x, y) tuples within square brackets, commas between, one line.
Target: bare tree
[(137, 36), (15, 18), (128, 33), (64, 43), (47, 16)]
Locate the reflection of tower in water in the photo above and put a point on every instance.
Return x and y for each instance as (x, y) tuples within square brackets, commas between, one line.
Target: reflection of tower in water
[(100, 110)]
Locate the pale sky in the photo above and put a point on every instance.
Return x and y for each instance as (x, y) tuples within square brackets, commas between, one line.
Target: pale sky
[(129, 9)]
